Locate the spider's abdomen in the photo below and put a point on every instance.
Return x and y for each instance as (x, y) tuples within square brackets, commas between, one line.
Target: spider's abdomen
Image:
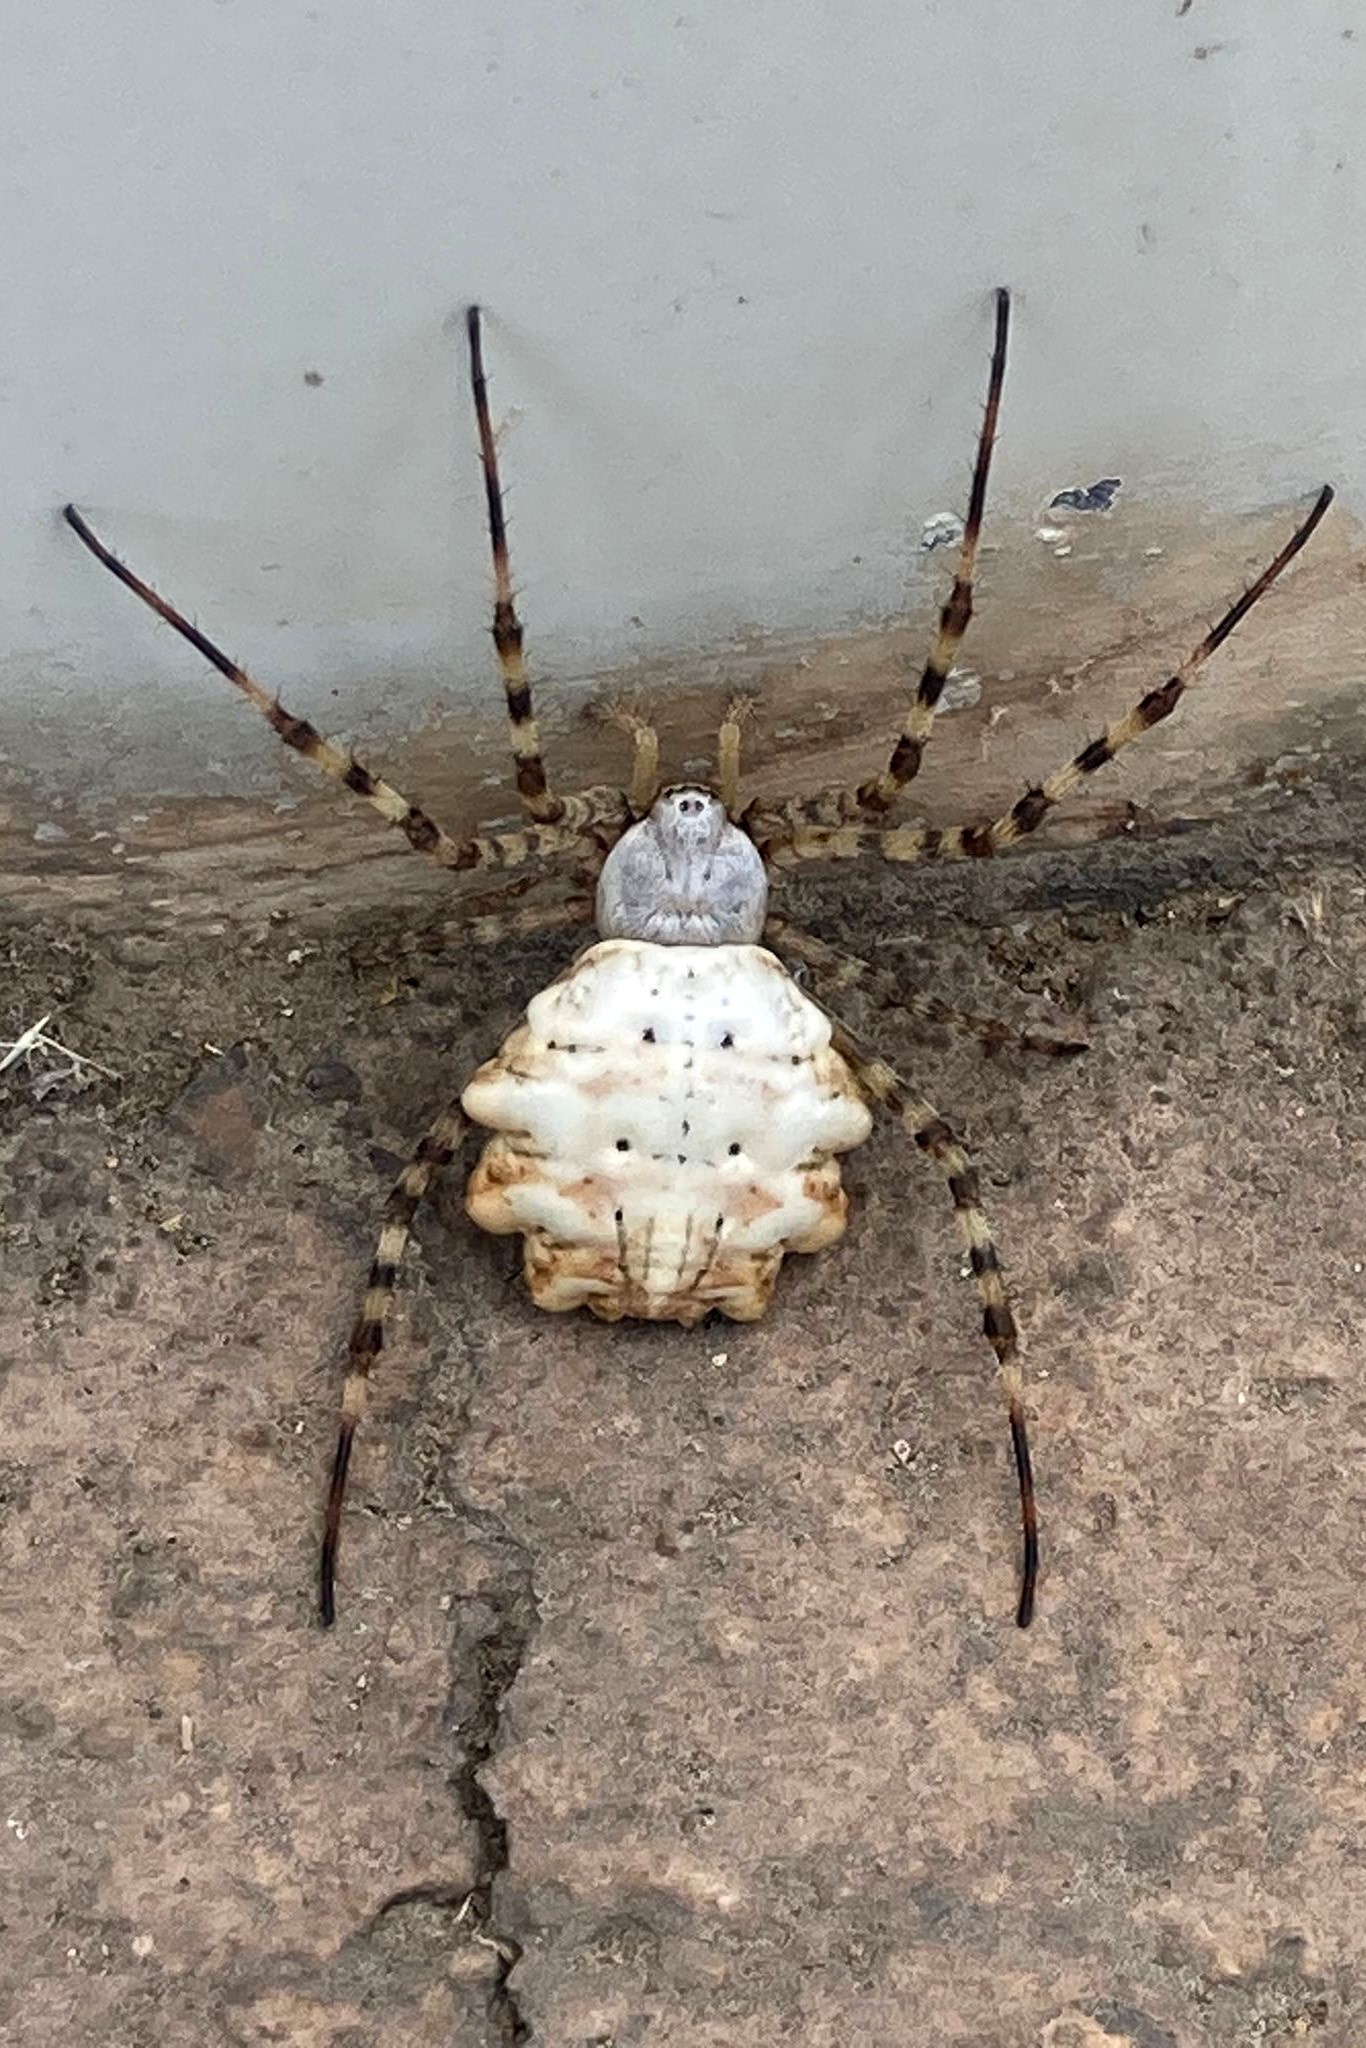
[(667, 1121)]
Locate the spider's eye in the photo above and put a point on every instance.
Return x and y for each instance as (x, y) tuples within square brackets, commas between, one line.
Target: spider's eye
[(734, 1151), (623, 1144), (647, 1036), (728, 1041)]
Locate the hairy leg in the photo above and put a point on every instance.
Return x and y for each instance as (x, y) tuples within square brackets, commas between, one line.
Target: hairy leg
[(880, 793), (490, 927), (625, 715), (785, 836), (435, 1152), (728, 741), (583, 816), (937, 1141), (883, 790), (836, 969), (538, 801)]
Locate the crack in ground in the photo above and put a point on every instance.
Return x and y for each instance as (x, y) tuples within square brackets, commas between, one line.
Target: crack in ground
[(491, 1641), (494, 1630)]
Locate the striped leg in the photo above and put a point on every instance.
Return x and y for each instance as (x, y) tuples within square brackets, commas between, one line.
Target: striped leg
[(836, 969), (490, 927), (786, 837), (497, 914), (728, 753), (433, 1154), (882, 791), (937, 1141), (532, 788), (580, 816)]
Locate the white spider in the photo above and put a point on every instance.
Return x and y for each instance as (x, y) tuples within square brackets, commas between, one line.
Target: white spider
[(668, 1118)]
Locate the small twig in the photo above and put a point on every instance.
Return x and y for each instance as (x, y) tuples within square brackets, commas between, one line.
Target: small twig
[(25, 1043), (35, 1039)]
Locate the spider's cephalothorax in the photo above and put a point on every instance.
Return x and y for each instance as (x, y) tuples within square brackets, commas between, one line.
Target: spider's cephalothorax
[(683, 876), (668, 1117)]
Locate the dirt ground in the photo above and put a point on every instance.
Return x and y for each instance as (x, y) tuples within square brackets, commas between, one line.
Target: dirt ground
[(675, 1697)]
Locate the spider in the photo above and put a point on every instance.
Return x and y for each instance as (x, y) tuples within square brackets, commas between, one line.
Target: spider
[(667, 1119)]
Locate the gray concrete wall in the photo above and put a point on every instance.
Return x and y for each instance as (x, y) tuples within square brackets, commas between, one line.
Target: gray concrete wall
[(736, 260)]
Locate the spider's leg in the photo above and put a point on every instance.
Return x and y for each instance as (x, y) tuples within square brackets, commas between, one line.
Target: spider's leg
[(881, 793), (626, 714), (839, 969), (497, 914), (644, 766), (580, 816), (728, 754), (433, 1154), (644, 757), (935, 1138), (785, 838), (490, 927), (537, 799)]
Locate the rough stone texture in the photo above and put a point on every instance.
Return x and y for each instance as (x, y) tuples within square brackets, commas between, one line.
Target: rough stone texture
[(727, 1612)]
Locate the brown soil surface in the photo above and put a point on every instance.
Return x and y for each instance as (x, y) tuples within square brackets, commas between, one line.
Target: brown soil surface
[(687, 1658)]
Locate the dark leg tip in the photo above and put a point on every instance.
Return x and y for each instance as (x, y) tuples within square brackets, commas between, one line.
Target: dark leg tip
[(327, 1603), (1029, 1579), (1033, 1041), (472, 322)]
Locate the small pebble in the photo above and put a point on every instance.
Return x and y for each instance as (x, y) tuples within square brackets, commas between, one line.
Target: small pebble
[(331, 1080)]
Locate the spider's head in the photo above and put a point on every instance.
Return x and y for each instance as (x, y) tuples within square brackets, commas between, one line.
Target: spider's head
[(684, 876)]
